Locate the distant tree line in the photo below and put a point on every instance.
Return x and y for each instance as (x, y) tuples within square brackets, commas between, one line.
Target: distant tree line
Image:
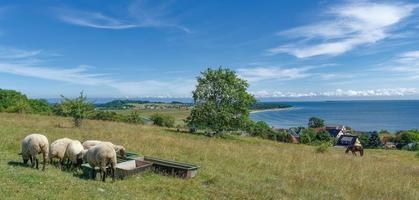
[(77, 108)]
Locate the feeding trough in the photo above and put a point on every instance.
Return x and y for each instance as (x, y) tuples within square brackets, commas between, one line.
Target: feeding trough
[(168, 167), (128, 165), (131, 167)]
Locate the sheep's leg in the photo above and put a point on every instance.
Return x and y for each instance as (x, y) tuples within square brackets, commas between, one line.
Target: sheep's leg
[(32, 162), (61, 164), (44, 157), (93, 173), (103, 172)]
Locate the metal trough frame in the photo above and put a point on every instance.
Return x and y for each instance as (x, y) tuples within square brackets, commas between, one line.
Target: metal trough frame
[(168, 167)]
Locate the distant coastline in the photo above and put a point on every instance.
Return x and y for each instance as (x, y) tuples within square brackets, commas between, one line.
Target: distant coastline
[(269, 110)]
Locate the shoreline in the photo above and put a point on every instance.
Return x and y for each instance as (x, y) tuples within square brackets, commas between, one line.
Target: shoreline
[(273, 109)]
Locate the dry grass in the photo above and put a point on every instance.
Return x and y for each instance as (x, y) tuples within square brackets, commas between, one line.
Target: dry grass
[(241, 168)]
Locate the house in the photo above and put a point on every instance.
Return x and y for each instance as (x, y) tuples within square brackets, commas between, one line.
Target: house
[(336, 130), (294, 133)]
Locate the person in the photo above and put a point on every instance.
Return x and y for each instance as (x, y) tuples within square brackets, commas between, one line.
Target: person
[(357, 143)]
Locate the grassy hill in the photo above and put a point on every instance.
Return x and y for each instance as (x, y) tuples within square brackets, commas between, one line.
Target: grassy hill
[(237, 168)]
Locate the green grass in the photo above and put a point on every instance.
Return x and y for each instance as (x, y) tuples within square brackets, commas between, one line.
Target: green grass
[(234, 168)]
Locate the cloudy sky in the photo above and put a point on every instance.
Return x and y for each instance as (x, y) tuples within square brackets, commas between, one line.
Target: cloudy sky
[(285, 49)]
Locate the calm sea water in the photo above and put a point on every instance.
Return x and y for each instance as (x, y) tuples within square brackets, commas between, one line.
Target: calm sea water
[(360, 115)]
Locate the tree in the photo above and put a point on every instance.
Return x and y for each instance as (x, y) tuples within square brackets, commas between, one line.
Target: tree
[(406, 137), (221, 101), (13, 101), (78, 108), (315, 122), (374, 141), (363, 138)]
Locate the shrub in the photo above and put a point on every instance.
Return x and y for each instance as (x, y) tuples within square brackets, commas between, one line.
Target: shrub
[(40, 106), (308, 136), (78, 108), (322, 148), (163, 120), (374, 141), (134, 118), (323, 136), (260, 129), (406, 137), (106, 116), (13, 101)]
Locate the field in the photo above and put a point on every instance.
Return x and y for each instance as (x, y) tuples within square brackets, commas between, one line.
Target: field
[(235, 168), (178, 114)]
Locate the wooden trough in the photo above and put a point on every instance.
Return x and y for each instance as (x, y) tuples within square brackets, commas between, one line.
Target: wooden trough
[(173, 168)]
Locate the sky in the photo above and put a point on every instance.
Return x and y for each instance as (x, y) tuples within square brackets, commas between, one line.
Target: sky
[(284, 49)]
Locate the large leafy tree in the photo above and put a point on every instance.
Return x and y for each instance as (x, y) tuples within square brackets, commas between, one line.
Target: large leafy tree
[(222, 102), (78, 108)]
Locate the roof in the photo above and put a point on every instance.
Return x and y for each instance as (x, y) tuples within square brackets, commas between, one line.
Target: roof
[(334, 126), (346, 140), (334, 132)]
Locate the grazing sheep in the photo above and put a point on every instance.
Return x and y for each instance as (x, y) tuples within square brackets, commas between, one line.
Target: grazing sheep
[(119, 149), (74, 153), (101, 155), (57, 149), (90, 143), (32, 145)]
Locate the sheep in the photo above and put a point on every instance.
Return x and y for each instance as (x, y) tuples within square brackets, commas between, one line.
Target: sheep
[(74, 153), (57, 149), (119, 149), (32, 145), (101, 155)]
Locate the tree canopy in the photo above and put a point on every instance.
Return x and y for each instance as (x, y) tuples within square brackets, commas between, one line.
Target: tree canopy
[(77, 108), (315, 122), (221, 100)]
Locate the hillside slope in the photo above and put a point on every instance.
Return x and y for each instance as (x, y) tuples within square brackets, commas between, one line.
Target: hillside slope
[(242, 168)]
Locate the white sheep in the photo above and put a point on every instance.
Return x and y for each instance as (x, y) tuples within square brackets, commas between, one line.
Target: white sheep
[(119, 149), (32, 145), (57, 149), (74, 153), (102, 155)]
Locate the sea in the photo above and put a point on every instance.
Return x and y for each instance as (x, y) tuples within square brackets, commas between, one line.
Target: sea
[(373, 115)]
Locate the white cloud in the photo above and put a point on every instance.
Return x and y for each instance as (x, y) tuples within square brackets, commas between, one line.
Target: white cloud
[(266, 73), (349, 26), (137, 15), (340, 93), (405, 64), (81, 76)]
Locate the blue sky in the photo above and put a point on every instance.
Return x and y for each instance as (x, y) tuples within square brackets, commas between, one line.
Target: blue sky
[(285, 49)]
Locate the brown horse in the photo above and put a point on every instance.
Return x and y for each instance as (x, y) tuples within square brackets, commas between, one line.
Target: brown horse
[(354, 149)]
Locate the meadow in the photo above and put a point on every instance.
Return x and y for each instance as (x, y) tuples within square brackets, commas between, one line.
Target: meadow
[(233, 168)]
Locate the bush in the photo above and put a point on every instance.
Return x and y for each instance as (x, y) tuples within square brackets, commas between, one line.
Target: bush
[(134, 118), (259, 129), (40, 106), (323, 136), (78, 108), (322, 148), (308, 136), (163, 120), (13, 101), (374, 141), (106, 116), (406, 137)]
